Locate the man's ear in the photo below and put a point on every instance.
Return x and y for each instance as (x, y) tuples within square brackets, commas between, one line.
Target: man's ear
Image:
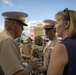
[(11, 25), (67, 24)]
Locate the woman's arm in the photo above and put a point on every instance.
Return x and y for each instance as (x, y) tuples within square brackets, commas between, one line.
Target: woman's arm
[(31, 53), (58, 60)]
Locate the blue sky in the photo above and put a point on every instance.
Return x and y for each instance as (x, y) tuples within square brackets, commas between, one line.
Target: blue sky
[(36, 9)]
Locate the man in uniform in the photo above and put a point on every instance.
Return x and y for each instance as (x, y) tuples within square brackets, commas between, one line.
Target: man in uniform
[(53, 40), (10, 59)]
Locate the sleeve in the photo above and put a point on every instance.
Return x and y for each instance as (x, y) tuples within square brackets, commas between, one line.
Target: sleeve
[(10, 57)]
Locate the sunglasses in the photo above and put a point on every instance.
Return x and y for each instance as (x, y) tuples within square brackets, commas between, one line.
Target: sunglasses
[(67, 12), (48, 29)]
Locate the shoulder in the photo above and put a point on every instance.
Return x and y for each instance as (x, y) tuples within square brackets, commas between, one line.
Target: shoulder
[(21, 45), (57, 40), (59, 47), (4, 36), (60, 51)]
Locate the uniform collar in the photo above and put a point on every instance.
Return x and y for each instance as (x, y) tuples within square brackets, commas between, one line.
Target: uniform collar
[(8, 33)]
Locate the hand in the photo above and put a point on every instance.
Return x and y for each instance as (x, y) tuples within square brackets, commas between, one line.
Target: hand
[(42, 69), (35, 63), (23, 55)]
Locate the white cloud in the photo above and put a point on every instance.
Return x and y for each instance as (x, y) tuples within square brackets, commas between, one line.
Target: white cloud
[(8, 2)]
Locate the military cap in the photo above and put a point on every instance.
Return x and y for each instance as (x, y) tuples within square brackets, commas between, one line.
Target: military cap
[(48, 23), (17, 16)]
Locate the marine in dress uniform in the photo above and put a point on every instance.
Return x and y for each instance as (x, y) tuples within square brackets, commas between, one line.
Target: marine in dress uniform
[(10, 59), (50, 34), (11, 62)]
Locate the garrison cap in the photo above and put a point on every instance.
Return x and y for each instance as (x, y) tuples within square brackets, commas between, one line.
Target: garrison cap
[(48, 23), (17, 16)]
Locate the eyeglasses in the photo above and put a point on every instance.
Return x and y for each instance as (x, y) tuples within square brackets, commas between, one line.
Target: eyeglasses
[(67, 11)]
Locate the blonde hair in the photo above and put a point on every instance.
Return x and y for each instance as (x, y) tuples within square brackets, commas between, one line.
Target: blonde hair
[(69, 15), (38, 40)]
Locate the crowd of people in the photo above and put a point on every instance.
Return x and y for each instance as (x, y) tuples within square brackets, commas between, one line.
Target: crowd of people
[(56, 57)]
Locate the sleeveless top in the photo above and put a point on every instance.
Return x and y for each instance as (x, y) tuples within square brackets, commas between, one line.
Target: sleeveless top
[(70, 44)]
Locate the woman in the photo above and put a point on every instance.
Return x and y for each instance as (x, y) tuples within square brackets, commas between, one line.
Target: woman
[(63, 57), (37, 50)]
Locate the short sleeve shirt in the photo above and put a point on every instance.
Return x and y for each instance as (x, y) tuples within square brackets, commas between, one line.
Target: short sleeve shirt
[(10, 58)]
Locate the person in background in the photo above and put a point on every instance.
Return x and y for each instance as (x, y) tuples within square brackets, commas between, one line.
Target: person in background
[(37, 47), (29, 40), (29, 44), (50, 34), (21, 49), (37, 50), (21, 45), (63, 57), (26, 49), (10, 59)]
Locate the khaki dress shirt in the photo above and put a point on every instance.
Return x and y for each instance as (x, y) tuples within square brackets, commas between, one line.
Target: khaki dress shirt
[(48, 49), (10, 58)]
